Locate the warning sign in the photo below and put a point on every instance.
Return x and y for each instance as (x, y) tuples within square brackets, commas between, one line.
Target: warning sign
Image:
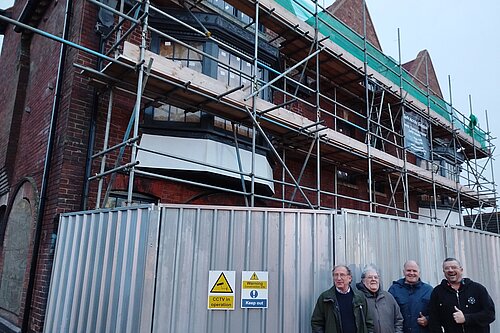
[(254, 289), (255, 284), (221, 285), (220, 290), (221, 302)]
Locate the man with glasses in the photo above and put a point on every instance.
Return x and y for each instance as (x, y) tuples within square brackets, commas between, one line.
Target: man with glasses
[(381, 305), (341, 309), (460, 305)]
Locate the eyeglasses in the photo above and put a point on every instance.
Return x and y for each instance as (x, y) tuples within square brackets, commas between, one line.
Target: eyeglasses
[(451, 267)]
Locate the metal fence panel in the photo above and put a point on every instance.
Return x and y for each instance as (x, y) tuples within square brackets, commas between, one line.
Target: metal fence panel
[(146, 269), (295, 247), (389, 241), (479, 253), (100, 274)]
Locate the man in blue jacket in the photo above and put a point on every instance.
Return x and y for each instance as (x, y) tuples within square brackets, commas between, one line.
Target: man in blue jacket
[(412, 296)]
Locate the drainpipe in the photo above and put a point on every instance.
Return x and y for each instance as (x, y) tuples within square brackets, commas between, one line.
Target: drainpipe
[(92, 134), (46, 171), (93, 119)]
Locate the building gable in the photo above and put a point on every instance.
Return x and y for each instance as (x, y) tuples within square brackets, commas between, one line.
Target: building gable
[(350, 12), (420, 68)]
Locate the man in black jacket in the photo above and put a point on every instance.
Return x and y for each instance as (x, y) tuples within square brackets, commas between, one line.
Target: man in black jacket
[(460, 305)]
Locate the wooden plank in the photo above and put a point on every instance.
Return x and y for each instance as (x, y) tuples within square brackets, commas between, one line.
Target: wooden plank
[(204, 84)]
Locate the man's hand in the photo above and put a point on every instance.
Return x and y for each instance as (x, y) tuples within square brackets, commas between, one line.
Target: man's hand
[(422, 320), (458, 316)]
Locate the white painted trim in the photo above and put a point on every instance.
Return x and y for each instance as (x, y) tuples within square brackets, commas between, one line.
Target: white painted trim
[(204, 155)]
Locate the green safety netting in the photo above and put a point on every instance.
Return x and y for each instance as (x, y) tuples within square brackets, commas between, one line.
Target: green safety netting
[(352, 42)]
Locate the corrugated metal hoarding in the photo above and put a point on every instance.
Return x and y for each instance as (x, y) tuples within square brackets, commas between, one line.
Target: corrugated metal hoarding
[(147, 269), (388, 242), (101, 273), (294, 247), (480, 255)]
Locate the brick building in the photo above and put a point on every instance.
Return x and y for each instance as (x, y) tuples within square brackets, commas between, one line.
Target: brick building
[(207, 103)]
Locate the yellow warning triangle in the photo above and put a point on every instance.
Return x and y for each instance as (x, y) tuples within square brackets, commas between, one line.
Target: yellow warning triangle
[(221, 285), (254, 276)]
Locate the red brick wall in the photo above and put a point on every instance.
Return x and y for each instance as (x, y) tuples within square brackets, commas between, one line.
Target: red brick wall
[(11, 76), (69, 154), (31, 144), (351, 13)]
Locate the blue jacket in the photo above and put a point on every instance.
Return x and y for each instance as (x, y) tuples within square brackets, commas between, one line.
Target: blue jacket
[(412, 299)]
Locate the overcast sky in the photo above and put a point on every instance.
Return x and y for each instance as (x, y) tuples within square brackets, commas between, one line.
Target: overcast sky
[(463, 42), (462, 39), (3, 5)]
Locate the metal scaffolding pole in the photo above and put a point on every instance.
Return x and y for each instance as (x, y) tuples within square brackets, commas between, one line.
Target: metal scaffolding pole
[(138, 101), (318, 108), (240, 164), (259, 128), (455, 162), (406, 197), (431, 139), (475, 172), (367, 103), (104, 147), (495, 208), (254, 87)]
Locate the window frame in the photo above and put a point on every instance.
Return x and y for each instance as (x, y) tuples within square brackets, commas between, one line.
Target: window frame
[(137, 198), (207, 121), (236, 37)]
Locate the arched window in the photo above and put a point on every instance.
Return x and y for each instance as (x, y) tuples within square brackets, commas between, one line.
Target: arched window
[(16, 248)]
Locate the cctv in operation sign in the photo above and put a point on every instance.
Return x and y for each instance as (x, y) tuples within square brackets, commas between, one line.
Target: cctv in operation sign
[(221, 290)]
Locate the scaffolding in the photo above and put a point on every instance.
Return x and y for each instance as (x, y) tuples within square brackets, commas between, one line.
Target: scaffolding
[(356, 104)]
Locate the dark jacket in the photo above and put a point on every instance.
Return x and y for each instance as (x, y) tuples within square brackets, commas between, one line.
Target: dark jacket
[(326, 314), (384, 311), (471, 298), (412, 299)]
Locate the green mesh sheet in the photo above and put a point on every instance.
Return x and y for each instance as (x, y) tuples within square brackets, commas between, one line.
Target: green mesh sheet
[(352, 42)]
